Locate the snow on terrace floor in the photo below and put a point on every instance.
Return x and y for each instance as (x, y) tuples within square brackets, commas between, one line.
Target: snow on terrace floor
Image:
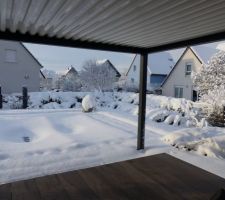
[(62, 140)]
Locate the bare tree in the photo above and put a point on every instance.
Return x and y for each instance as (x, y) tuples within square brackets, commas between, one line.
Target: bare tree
[(97, 76)]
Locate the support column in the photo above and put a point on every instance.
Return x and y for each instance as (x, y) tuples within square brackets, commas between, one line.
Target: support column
[(25, 97), (142, 101)]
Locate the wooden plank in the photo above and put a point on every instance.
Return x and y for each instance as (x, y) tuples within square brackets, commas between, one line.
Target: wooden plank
[(76, 187), (132, 183), (154, 177), (100, 185), (5, 192), (187, 180), (51, 188), (25, 190)]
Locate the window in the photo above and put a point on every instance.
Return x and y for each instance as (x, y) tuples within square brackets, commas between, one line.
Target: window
[(132, 80), (188, 68), (10, 55), (178, 92), (135, 68)]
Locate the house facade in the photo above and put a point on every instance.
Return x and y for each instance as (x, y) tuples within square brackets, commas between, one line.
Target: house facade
[(179, 82), (71, 80), (18, 68), (159, 65)]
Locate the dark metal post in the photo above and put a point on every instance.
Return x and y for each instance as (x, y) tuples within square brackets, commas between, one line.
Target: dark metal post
[(25, 98), (223, 116), (142, 101), (1, 97)]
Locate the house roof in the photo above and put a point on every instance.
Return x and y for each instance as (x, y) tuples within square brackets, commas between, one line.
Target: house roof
[(128, 26), (188, 48), (102, 62), (132, 62), (42, 74), (158, 63), (71, 69), (35, 59), (204, 52)]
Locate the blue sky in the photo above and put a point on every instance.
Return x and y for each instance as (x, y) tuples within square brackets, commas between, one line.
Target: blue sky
[(60, 58)]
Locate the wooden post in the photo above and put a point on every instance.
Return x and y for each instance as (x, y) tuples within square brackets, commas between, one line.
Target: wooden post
[(142, 101), (223, 116), (1, 99), (25, 98)]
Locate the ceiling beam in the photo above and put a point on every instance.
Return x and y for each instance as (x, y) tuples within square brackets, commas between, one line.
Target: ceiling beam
[(17, 36), (215, 37)]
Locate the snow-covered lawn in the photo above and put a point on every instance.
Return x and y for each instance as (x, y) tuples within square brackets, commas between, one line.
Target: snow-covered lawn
[(46, 141), (62, 140)]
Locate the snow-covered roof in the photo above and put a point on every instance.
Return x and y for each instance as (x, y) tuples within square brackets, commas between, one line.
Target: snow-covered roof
[(67, 70), (204, 52), (158, 63), (100, 62)]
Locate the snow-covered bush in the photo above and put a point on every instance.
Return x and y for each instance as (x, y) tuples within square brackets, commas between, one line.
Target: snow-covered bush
[(158, 108), (159, 116), (88, 103), (206, 141)]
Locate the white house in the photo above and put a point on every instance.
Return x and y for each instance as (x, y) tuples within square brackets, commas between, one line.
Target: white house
[(18, 68), (159, 65), (179, 82)]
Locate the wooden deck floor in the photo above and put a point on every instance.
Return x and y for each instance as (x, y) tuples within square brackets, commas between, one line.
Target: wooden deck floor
[(155, 177)]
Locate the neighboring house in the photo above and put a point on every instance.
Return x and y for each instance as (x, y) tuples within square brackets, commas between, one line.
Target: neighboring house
[(107, 63), (70, 80), (46, 83), (155, 82), (18, 68), (159, 65), (71, 73), (179, 82)]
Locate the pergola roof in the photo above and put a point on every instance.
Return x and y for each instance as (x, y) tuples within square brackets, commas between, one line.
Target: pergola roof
[(127, 26)]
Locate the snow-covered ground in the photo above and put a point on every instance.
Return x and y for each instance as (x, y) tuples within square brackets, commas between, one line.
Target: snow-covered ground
[(36, 142)]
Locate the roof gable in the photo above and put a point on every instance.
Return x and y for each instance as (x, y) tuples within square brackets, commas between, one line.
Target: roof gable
[(35, 59), (107, 62), (158, 63), (204, 52), (71, 70), (183, 54)]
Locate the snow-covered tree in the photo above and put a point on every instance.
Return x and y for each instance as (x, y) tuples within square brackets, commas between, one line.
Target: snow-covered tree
[(121, 83), (51, 79), (210, 82), (212, 74), (97, 76), (71, 83)]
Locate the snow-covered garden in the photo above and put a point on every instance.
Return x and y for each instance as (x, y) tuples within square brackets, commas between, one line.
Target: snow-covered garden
[(53, 134)]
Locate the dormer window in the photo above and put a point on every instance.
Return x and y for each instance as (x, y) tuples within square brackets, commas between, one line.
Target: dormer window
[(188, 68)]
